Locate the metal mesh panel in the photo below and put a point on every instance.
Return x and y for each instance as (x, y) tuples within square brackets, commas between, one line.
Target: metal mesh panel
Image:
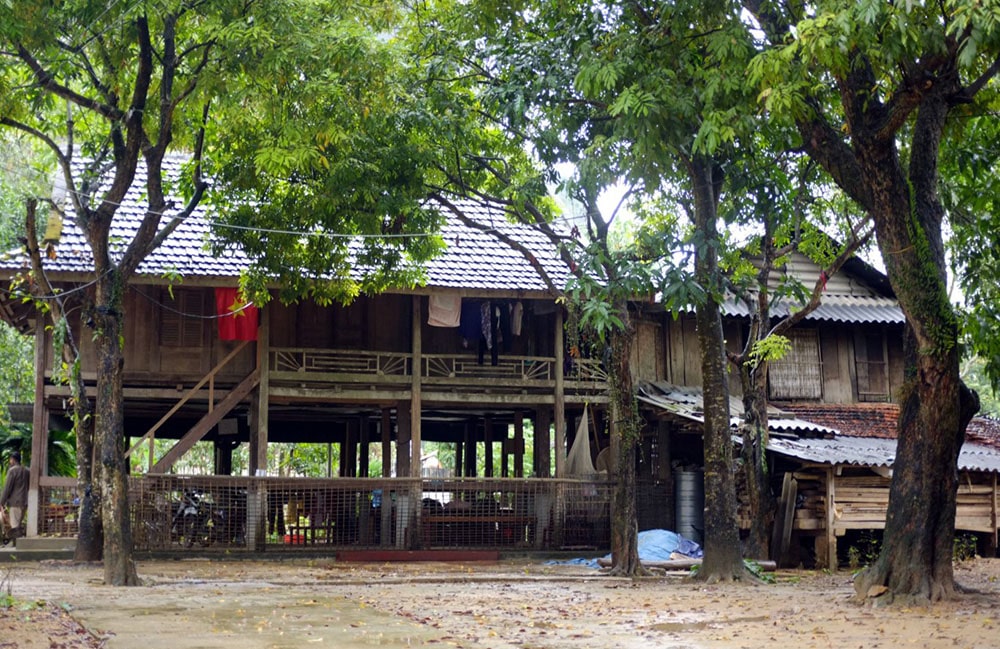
[(177, 512), (337, 512), (58, 512), (586, 517), (195, 513)]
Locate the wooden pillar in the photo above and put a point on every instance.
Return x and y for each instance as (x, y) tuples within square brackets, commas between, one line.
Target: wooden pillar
[(560, 397), (459, 457), (259, 462), (386, 442), (542, 452), (415, 389), (403, 422), (831, 536), (470, 450), (488, 449), (363, 450), (39, 430), (505, 449), (349, 454), (518, 444)]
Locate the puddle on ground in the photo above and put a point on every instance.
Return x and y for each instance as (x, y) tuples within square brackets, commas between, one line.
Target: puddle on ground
[(698, 625)]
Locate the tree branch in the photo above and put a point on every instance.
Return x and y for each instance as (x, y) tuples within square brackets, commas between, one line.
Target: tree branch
[(510, 241)]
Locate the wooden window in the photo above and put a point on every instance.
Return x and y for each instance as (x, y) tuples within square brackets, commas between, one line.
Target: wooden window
[(871, 366), (183, 321), (799, 375)]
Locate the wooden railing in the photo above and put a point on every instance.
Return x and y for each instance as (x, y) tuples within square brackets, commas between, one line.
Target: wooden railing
[(326, 365)]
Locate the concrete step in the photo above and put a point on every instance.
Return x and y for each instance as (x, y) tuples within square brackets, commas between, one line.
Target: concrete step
[(46, 543), (38, 548)]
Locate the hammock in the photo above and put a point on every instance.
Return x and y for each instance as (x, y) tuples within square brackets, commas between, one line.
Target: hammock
[(578, 462)]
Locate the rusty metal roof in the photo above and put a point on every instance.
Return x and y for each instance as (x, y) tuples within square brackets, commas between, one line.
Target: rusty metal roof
[(473, 259), (685, 403), (817, 443)]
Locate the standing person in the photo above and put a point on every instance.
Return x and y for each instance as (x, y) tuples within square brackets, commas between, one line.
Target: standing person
[(15, 496)]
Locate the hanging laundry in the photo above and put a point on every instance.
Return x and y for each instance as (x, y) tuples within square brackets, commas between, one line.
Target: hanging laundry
[(470, 324), (516, 314), (237, 319), (486, 323), (444, 310)]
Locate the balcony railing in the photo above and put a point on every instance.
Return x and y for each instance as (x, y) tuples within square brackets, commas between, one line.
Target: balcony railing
[(337, 365)]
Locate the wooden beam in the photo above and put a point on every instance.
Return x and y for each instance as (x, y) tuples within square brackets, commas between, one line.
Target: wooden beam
[(831, 513), (543, 452), (559, 398), (264, 390), (206, 423), (415, 396), (488, 450), (386, 443), (518, 444)]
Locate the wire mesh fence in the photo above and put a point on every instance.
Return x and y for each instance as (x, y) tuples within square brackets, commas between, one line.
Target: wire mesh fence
[(209, 513)]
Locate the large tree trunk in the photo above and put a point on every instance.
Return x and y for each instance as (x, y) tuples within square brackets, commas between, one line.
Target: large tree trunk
[(723, 560), (626, 430), (109, 438), (916, 559), (754, 429), (915, 563)]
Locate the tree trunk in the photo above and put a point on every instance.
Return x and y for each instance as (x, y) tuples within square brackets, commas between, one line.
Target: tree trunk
[(90, 534), (915, 563), (723, 561), (109, 437), (761, 503), (626, 429)]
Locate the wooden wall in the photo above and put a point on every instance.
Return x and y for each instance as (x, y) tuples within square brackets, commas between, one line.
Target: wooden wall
[(168, 344)]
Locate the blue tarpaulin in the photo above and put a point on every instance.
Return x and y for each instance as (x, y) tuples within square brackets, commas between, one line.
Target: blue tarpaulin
[(654, 545)]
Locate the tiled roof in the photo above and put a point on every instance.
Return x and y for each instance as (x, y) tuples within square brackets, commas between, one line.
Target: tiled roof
[(878, 420), (853, 419), (473, 259)]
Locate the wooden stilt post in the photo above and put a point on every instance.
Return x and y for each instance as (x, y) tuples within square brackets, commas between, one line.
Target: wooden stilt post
[(518, 444), (386, 442), (542, 450), (415, 389), (560, 398), (488, 450)]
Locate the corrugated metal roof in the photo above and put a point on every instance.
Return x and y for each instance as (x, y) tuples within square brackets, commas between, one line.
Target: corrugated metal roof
[(875, 452), (472, 259), (833, 308), (686, 403)]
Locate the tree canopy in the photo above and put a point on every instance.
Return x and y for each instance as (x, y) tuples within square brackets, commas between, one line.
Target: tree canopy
[(876, 90), (308, 111)]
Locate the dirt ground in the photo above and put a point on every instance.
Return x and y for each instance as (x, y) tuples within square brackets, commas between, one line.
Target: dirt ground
[(531, 605)]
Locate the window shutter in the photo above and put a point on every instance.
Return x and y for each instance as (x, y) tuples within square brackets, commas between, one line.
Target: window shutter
[(799, 375), (182, 324)]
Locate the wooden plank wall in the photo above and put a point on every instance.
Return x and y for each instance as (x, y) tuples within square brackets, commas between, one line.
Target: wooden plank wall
[(861, 502)]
